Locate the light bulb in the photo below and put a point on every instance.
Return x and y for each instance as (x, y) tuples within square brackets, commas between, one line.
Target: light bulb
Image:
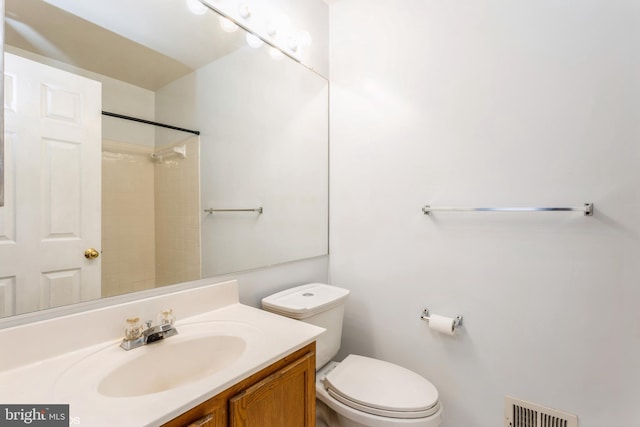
[(272, 30), (228, 25), (196, 7), (254, 41), (245, 12)]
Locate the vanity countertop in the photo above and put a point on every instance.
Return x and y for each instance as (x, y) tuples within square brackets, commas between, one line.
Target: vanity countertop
[(73, 377)]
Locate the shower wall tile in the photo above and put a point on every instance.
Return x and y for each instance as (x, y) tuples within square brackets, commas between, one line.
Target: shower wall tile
[(177, 213), (128, 225)]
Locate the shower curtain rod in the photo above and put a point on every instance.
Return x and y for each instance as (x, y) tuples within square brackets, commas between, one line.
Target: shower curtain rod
[(162, 125)]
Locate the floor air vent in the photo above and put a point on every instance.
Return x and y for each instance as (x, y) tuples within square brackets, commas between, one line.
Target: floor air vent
[(518, 413)]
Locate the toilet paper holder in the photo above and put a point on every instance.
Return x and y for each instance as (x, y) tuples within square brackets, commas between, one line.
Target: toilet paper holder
[(457, 321)]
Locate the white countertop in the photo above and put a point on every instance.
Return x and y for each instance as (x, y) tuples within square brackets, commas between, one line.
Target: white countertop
[(72, 378)]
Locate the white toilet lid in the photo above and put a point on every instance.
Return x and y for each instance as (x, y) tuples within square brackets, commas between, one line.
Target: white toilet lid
[(381, 388)]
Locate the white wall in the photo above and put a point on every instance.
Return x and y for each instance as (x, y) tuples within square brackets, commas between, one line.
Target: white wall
[(491, 103), (123, 98), (263, 126)]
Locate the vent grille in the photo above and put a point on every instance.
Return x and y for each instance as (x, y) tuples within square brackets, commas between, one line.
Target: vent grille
[(519, 413)]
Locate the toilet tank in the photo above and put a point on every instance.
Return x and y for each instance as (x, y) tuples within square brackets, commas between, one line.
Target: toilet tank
[(318, 304)]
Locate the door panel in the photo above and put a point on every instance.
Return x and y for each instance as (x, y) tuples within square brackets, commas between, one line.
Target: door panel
[(53, 187)]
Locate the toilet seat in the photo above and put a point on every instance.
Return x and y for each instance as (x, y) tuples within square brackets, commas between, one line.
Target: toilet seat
[(381, 388)]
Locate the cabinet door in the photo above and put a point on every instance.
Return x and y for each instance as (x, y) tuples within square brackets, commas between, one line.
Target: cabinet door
[(211, 413), (206, 421), (286, 398)]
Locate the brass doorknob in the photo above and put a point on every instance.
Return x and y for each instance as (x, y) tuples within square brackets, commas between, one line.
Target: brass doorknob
[(91, 253)]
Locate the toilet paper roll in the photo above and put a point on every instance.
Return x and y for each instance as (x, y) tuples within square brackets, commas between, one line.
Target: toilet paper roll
[(442, 324)]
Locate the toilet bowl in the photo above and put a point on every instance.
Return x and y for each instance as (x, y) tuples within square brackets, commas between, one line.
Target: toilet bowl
[(359, 391), (373, 393)]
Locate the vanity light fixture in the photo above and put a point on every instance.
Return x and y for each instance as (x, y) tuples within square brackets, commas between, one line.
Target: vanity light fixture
[(228, 25), (275, 30), (254, 41), (300, 42), (276, 53), (196, 7), (272, 29), (245, 12)]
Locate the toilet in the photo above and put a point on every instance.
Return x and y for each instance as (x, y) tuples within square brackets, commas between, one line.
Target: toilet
[(359, 391)]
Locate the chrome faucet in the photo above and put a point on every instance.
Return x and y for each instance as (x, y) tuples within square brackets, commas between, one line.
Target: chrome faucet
[(155, 333), (148, 335)]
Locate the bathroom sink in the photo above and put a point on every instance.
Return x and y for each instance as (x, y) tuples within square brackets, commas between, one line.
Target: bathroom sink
[(199, 351), (171, 364)]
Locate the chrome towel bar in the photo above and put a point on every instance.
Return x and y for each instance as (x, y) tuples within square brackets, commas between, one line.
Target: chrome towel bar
[(587, 209), (211, 210)]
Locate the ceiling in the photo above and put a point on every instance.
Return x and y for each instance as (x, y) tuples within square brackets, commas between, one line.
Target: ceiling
[(148, 43)]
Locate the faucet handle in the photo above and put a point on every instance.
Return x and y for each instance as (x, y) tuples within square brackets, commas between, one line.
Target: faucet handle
[(132, 328), (166, 317), (149, 323)]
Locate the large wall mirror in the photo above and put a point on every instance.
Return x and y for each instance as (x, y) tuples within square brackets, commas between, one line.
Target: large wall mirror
[(97, 204)]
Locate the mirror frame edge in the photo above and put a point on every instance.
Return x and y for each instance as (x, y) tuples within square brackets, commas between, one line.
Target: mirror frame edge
[(104, 302)]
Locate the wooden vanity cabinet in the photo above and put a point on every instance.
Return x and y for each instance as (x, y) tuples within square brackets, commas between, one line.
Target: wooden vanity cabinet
[(281, 395)]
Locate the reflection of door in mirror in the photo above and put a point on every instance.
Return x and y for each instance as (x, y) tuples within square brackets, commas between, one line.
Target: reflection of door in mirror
[(52, 211), (70, 187)]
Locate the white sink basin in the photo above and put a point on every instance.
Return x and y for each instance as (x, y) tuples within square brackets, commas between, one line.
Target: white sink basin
[(199, 351), (169, 364)]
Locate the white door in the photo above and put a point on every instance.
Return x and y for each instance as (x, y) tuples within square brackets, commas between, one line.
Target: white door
[(52, 205)]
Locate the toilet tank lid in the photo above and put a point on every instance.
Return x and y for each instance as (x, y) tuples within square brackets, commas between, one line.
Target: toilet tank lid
[(305, 300)]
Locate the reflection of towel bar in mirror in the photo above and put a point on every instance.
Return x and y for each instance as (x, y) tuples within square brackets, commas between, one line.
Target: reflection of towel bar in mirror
[(587, 209), (211, 210)]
